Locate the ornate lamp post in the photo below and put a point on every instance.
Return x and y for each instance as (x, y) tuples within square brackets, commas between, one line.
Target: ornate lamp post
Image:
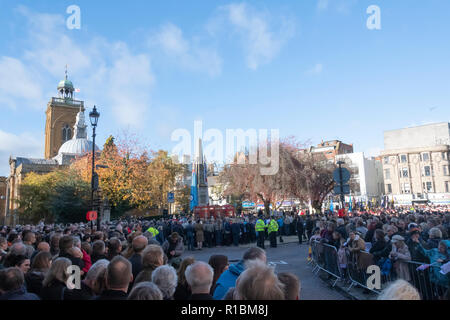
[(93, 116)]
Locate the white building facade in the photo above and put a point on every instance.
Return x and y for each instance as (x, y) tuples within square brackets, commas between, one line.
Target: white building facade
[(416, 164), (367, 174)]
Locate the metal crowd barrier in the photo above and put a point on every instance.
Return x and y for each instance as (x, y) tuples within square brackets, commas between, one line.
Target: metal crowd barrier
[(427, 279), (431, 284), (325, 258)]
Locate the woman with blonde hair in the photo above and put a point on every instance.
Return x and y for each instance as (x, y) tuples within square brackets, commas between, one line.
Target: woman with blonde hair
[(259, 282), (54, 282), (400, 290)]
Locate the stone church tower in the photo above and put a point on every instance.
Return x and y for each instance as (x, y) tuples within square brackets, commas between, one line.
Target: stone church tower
[(61, 116)]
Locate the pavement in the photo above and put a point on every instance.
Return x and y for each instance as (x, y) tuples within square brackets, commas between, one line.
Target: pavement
[(287, 257)]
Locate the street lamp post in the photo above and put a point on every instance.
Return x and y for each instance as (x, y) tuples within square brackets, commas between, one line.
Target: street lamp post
[(93, 116)]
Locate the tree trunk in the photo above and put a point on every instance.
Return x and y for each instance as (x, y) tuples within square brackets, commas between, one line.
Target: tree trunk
[(317, 205), (267, 207)]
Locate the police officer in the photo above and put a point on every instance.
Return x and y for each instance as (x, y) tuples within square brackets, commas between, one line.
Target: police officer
[(260, 227), (273, 230)]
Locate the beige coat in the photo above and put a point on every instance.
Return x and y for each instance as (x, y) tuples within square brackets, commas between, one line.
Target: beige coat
[(399, 258), (199, 232)]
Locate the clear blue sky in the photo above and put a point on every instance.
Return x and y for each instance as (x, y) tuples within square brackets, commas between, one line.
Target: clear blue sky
[(310, 68)]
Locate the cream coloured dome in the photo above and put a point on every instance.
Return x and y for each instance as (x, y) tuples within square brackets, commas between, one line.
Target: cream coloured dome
[(79, 144)]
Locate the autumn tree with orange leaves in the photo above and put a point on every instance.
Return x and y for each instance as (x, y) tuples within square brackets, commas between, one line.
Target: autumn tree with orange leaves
[(132, 174)]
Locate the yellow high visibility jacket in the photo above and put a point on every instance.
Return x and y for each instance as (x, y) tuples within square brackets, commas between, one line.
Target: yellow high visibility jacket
[(260, 225), (273, 226), (153, 231)]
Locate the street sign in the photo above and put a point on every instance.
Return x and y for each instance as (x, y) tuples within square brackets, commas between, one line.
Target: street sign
[(345, 175), (345, 189), (170, 197)]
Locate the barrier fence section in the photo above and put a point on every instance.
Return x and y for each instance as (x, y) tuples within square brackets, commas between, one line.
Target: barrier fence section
[(352, 268), (325, 258)]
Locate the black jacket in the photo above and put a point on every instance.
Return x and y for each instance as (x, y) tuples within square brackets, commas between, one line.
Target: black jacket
[(20, 294), (416, 252), (300, 225), (182, 293), (54, 291), (112, 295), (309, 225), (33, 280), (136, 264), (201, 296), (84, 293), (75, 261), (381, 249)]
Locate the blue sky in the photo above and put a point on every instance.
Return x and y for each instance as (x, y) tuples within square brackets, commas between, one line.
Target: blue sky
[(310, 68)]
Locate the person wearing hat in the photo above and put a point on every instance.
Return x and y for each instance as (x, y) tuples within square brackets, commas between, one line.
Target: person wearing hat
[(173, 247), (400, 255), (414, 242)]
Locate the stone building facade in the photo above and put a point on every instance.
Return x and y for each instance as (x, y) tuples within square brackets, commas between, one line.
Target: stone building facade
[(60, 118), (416, 164), (65, 140)]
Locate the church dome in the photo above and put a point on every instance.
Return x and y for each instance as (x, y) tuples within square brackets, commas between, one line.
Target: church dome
[(65, 84), (77, 146)]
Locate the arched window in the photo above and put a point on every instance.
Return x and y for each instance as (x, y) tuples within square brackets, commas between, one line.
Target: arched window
[(66, 133)]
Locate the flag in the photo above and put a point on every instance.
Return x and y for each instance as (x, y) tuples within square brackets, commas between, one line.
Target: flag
[(331, 205), (194, 191), (350, 204), (77, 90), (309, 254)]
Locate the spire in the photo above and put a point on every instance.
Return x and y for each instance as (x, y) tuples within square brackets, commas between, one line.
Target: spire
[(65, 87), (199, 156), (80, 126)]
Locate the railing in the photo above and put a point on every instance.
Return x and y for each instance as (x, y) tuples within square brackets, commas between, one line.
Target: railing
[(325, 258), (427, 279), (67, 101)]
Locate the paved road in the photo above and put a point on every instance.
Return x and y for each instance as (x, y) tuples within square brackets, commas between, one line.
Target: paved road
[(294, 255)]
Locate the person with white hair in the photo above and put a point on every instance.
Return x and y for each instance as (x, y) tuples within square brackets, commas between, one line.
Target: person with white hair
[(145, 291), (400, 290), (92, 285), (199, 276), (165, 277)]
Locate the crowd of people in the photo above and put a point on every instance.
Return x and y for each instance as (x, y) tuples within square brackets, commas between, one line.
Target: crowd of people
[(401, 242), (138, 259), (129, 260)]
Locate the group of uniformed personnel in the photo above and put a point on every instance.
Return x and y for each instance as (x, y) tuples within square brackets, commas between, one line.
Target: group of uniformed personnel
[(272, 230)]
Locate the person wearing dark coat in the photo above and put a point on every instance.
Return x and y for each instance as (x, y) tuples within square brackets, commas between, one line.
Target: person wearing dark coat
[(300, 229), (33, 280), (235, 231), (199, 277), (414, 247), (118, 279), (139, 243), (381, 248), (53, 290), (12, 286), (84, 293), (65, 245), (201, 296), (309, 227)]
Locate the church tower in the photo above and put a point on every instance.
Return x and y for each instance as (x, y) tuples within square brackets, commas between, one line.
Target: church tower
[(61, 116)]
